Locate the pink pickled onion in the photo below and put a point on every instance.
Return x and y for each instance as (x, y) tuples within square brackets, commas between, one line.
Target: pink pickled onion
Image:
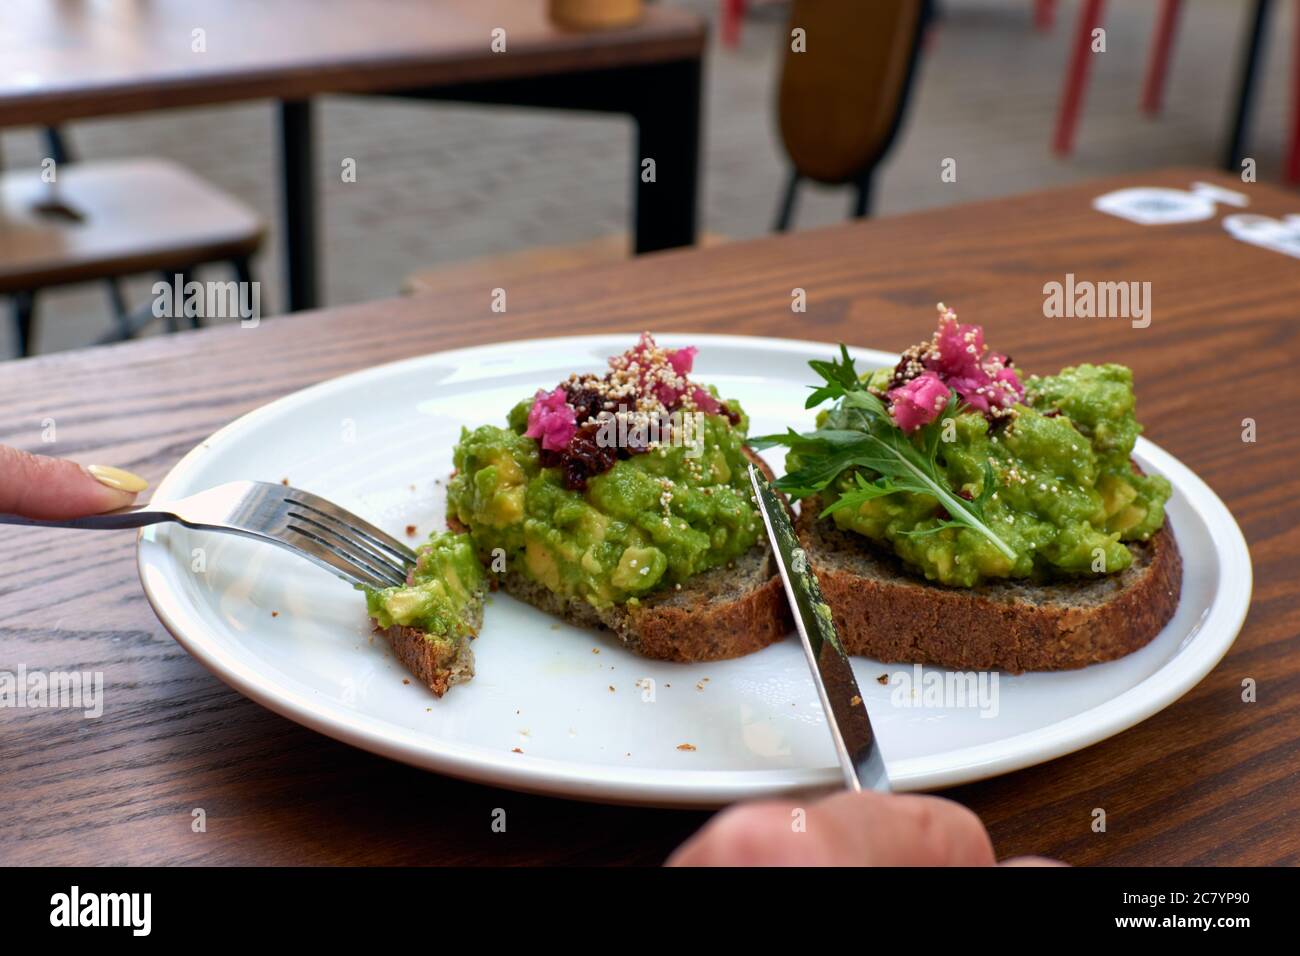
[(919, 401), (552, 419), (958, 357)]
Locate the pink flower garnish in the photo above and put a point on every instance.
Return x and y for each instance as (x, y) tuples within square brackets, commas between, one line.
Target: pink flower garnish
[(552, 419), (919, 401), (958, 357)]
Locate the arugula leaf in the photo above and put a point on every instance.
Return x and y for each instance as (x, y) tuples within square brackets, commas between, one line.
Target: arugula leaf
[(865, 436), (759, 442), (820, 471), (840, 377), (865, 491)]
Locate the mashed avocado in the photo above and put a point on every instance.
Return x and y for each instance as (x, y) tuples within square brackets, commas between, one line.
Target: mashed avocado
[(1065, 496), (650, 521), (444, 594)]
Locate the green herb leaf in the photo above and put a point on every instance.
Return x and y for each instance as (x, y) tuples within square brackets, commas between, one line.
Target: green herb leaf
[(840, 376), (865, 436)]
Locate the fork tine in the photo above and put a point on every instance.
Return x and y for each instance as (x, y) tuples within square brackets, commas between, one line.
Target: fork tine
[(357, 548), (358, 526), (359, 555), (322, 550), (326, 557)]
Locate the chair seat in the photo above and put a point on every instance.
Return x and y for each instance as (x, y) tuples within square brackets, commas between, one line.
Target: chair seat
[(506, 269), (101, 220)]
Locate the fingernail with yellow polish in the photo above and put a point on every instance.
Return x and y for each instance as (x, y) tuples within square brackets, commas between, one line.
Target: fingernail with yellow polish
[(118, 478)]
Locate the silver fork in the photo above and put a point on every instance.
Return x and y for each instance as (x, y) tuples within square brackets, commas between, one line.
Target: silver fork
[(304, 523)]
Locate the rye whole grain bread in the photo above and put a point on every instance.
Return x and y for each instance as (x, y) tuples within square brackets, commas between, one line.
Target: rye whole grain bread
[(725, 612), (438, 664), (883, 611), (438, 661)]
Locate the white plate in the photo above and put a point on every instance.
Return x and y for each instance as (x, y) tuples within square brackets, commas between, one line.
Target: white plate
[(580, 717)]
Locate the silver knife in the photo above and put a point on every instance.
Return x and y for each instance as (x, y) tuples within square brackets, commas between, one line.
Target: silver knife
[(842, 703)]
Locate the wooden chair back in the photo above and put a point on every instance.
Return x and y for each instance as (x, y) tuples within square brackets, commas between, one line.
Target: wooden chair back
[(841, 101)]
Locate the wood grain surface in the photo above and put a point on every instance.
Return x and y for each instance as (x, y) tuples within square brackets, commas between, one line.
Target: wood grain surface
[(1210, 779), (63, 61)]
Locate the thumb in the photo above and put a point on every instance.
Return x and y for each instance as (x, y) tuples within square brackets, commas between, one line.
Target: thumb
[(36, 486)]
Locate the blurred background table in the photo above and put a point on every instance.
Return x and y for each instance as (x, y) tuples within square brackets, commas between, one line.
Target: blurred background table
[(1209, 780), (66, 61)]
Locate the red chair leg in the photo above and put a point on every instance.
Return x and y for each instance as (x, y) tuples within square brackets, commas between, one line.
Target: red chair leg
[(733, 12), (1293, 149), (1076, 79), (1162, 42), (1044, 14)]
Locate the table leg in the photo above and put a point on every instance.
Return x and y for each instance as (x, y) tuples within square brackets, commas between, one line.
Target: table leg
[(668, 131), (298, 194), (1246, 85), (663, 100)]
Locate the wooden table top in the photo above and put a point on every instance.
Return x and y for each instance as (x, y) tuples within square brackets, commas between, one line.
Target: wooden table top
[(63, 61), (1208, 780)]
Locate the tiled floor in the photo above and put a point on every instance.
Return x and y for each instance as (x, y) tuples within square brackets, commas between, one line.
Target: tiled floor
[(437, 183)]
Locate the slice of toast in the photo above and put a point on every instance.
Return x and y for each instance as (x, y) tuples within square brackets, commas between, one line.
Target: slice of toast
[(724, 612), (882, 610), (439, 663)]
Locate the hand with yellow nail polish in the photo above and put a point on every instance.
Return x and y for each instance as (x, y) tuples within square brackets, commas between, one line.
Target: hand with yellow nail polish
[(35, 486)]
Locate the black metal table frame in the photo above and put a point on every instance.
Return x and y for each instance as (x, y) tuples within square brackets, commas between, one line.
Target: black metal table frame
[(663, 99)]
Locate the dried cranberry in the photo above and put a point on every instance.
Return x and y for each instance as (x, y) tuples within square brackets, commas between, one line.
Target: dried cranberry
[(586, 402), (586, 458)]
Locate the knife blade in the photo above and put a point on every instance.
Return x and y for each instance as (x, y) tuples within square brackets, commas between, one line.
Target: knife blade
[(842, 703)]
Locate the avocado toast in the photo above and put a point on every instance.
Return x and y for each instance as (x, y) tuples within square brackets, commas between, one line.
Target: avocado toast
[(430, 621), (620, 501), (957, 515)]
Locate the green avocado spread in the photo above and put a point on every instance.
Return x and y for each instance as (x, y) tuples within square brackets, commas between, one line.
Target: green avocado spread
[(652, 520), (1065, 496), (612, 485), (444, 595)]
